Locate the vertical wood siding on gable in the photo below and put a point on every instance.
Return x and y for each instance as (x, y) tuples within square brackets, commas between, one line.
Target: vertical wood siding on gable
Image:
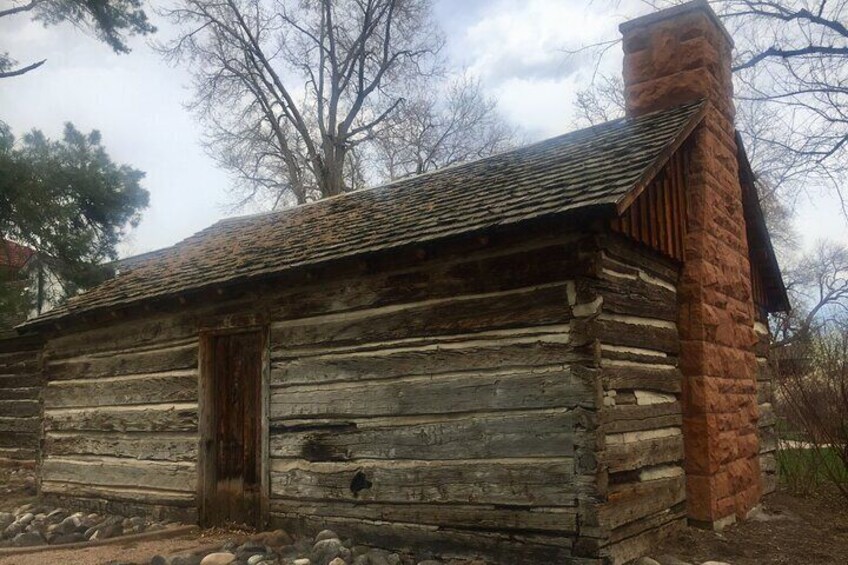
[(657, 218)]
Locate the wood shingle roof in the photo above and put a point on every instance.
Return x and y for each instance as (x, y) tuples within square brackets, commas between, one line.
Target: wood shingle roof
[(598, 167)]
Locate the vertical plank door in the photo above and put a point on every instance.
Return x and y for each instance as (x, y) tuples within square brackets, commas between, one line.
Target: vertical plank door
[(234, 382)]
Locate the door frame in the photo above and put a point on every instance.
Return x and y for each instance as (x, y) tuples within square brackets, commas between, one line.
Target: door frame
[(206, 453)]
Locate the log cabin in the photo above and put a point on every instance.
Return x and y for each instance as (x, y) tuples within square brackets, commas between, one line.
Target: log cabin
[(557, 354)]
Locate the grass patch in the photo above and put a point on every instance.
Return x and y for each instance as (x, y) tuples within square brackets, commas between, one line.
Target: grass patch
[(806, 470)]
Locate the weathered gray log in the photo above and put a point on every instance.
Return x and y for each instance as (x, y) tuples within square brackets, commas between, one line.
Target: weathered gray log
[(631, 376), (636, 297), (20, 425), (475, 436), (443, 394), (475, 352), (510, 268), (615, 332), (630, 501), (477, 517), (28, 440), (540, 306), (628, 549), (20, 408), (171, 418), (22, 453), (23, 380), (155, 332), (143, 389), (631, 418), (129, 473), (640, 454), (22, 393), (517, 482), (114, 493), (125, 363), (154, 446)]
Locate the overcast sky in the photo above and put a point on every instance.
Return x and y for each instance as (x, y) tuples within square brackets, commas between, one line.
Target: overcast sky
[(136, 100)]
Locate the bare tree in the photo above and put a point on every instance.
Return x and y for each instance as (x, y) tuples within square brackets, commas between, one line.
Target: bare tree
[(812, 400), (288, 89), (818, 286), (602, 101), (109, 20), (431, 132)]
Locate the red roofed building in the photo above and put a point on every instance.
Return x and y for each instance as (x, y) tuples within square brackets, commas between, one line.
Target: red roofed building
[(14, 256), (14, 260)]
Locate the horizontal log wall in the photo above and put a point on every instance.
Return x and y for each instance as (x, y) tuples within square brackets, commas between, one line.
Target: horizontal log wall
[(120, 417), (442, 406), (447, 399), (20, 400), (642, 450)]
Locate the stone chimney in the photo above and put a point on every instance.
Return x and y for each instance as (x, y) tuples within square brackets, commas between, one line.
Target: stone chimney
[(671, 57)]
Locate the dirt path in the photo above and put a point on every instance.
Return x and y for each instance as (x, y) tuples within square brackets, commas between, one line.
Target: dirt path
[(137, 552), (791, 530)]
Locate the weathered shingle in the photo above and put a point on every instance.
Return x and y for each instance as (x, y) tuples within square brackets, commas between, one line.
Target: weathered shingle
[(593, 167)]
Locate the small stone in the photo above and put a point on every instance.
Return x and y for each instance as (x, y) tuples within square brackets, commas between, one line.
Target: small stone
[(68, 538), (219, 558), (23, 509), (30, 485), (230, 546), (258, 558), (251, 547), (326, 550), (326, 534), (189, 559), (90, 520), (13, 529), (26, 518), (27, 539), (106, 531), (158, 560), (57, 515), (276, 538), (381, 557), (338, 561), (69, 525), (666, 559), (302, 562), (6, 519)]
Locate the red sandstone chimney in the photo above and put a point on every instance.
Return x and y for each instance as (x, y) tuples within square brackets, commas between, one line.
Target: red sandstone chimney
[(672, 57)]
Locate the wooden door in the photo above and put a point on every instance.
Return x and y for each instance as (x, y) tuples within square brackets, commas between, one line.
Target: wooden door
[(232, 436)]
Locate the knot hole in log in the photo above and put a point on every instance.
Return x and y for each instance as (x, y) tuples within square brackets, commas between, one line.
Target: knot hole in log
[(359, 482)]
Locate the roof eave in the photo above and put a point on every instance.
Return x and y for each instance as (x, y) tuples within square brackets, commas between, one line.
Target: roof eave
[(778, 297)]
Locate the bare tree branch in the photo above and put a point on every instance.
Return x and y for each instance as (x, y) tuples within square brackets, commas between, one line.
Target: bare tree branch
[(22, 70)]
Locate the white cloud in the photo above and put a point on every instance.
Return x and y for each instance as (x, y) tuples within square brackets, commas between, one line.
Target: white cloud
[(136, 102), (527, 39)]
